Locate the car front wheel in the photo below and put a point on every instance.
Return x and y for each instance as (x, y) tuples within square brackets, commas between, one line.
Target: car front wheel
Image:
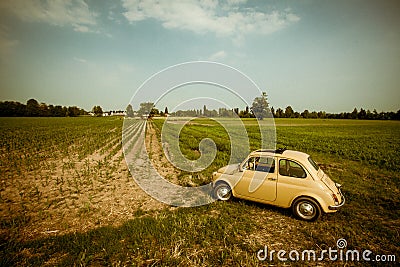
[(223, 192), (306, 209)]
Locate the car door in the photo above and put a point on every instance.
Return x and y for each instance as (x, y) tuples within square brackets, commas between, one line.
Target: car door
[(293, 179), (259, 179)]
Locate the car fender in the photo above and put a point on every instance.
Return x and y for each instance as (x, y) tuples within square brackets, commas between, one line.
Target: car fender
[(321, 201), (226, 180)]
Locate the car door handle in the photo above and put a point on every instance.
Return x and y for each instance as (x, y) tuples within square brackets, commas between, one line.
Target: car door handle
[(272, 179)]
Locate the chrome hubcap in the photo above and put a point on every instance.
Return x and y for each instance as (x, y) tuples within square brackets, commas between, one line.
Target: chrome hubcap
[(223, 193), (306, 209)]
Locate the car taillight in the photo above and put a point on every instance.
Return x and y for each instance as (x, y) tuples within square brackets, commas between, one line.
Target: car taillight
[(335, 198)]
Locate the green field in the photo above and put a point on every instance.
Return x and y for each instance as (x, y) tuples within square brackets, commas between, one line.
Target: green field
[(67, 197)]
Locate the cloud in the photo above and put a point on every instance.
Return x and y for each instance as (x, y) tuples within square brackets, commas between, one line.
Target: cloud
[(217, 56), (73, 13), (81, 28), (223, 18), (81, 60)]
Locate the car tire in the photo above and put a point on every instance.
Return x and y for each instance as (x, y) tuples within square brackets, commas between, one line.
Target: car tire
[(223, 192), (306, 208)]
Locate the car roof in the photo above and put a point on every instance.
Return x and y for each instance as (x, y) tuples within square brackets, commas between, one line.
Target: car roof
[(281, 152)]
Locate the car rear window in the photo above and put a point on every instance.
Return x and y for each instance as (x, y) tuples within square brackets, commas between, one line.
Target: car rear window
[(312, 162)]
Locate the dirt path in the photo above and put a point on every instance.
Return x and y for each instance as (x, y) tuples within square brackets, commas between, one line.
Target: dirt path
[(152, 181), (158, 158)]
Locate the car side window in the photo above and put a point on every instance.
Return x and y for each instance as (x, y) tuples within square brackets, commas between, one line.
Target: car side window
[(291, 169), (265, 164), (261, 164)]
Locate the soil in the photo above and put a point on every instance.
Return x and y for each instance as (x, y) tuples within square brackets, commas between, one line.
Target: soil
[(76, 195)]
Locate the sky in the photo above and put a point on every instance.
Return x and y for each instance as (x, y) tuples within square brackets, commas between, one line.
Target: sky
[(316, 55)]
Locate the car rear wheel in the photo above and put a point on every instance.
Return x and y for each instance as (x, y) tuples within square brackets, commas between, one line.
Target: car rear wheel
[(222, 191), (306, 209)]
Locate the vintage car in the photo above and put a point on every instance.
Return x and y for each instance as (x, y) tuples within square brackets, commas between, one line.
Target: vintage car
[(284, 178)]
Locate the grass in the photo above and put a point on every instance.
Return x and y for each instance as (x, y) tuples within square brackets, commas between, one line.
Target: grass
[(160, 238), (362, 155)]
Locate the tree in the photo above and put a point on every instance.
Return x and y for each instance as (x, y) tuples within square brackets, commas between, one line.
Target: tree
[(260, 106), (98, 111), (59, 111), (313, 115), (44, 110), (32, 108), (11, 108), (166, 111), (145, 108), (73, 111), (362, 114), (245, 113), (397, 116), (305, 114), (129, 111), (279, 113), (321, 115), (205, 111), (289, 113), (154, 112), (354, 114)]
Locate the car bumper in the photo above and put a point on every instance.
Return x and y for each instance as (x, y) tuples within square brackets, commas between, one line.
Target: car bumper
[(336, 207)]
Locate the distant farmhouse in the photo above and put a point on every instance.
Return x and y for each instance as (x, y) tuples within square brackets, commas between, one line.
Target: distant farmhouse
[(115, 113), (111, 113)]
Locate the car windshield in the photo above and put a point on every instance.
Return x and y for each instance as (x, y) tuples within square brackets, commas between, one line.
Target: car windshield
[(315, 165)]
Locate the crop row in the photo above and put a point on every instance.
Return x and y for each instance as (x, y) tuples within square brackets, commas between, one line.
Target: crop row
[(28, 142)]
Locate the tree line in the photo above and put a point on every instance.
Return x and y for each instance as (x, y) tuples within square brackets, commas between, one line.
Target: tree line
[(32, 108), (361, 114), (288, 112), (260, 109)]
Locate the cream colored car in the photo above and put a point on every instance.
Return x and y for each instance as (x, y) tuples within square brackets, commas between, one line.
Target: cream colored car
[(284, 178)]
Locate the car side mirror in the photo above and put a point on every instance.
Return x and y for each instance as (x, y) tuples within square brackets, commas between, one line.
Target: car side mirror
[(240, 168)]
